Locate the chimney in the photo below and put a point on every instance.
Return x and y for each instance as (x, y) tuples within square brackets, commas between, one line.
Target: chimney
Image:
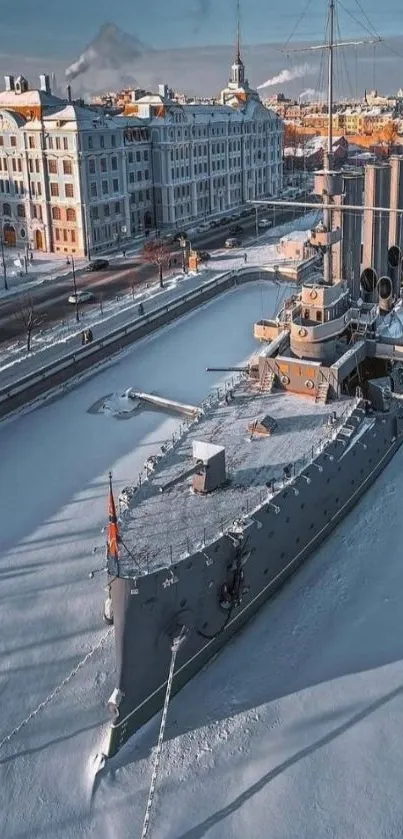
[(163, 90), (69, 93), (44, 81), (9, 80)]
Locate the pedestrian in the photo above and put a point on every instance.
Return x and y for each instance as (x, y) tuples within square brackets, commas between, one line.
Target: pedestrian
[(124, 253), (169, 264), (245, 257), (31, 256)]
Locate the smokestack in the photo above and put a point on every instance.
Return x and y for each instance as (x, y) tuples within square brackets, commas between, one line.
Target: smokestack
[(376, 225), (44, 82), (9, 80), (347, 252), (396, 202), (69, 92), (385, 295)]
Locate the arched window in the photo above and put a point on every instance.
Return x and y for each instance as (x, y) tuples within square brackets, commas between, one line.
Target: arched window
[(20, 211), (70, 214), (56, 215), (6, 210)]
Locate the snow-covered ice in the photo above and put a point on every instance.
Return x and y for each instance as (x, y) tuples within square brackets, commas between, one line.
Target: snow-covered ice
[(293, 730)]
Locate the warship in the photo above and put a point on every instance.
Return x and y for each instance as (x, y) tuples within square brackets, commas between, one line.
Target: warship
[(265, 469)]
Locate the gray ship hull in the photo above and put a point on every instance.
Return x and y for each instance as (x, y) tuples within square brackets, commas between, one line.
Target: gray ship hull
[(276, 538)]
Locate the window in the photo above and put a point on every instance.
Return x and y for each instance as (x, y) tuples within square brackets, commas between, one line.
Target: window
[(58, 145), (21, 211), (57, 234), (39, 188), (319, 316), (115, 184), (102, 141), (6, 210), (104, 164), (146, 174), (1, 141), (104, 187), (93, 189), (113, 140), (69, 190), (130, 156), (145, 154), (70, 214), (64, 235), (117, 208), (13, 140), (31, 142), (56, 215), (14, 164), (91, 166), (65, 143), (131, 177), (54, 189), (140, 194), (37, 166), (73, 236), (138, 155), (94, 212), (139, 175), (106, 211), (67, 167), (52, 167), (90, 142), (19, 164), (114, 164)]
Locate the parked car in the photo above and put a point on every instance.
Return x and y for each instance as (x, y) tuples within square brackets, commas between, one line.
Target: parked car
[(264, 223), (223, 220), (82, 297), (232, 242), (168, 238), (235, 229), (205, 225), (98, 265), (204, 256)]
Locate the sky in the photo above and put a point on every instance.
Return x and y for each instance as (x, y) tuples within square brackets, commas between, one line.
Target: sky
[(48, 28)]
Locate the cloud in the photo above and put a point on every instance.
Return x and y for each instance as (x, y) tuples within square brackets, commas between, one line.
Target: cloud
[(288, 75)]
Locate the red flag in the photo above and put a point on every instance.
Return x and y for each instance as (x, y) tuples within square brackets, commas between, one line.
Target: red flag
[(113, 530)]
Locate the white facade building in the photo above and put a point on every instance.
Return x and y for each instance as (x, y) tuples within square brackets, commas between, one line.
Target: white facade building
[(71, 180), (211, 158)]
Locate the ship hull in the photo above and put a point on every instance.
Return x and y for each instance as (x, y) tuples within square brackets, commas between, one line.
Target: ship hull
[(277, 538)]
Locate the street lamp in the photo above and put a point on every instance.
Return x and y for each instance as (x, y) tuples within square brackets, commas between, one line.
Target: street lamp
[(73, 268), (4, 263)]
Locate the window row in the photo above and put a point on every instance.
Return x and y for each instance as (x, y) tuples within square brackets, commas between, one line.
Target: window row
[(103, 165), (53, 167), (20, 210), (139, 156), (68, 190), (92, 141), (65, 235), (16, 188), (106, 210), (57, 214), (16, 164)]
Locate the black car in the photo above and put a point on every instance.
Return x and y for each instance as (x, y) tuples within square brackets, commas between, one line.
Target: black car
[(235, 229), (98, 265), (204, 256), (180, 235)]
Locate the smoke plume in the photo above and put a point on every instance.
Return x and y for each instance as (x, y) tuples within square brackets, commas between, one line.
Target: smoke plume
[(311, 95), (288, 75), (108, 59)]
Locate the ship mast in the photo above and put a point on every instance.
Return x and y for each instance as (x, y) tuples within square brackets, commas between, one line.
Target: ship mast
[(327, 213)]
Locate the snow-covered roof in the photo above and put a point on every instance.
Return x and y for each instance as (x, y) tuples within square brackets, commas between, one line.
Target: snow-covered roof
[(9, 98)]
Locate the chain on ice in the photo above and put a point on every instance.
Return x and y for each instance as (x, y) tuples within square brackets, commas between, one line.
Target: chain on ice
[(57, 689)]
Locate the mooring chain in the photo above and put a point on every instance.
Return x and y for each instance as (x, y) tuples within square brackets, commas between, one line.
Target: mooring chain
[(57, 689), (175, 648)]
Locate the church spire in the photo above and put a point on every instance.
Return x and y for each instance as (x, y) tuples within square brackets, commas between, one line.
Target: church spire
[(238, 68)]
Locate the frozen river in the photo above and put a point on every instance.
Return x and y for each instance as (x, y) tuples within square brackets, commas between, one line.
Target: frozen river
[(293, 731)]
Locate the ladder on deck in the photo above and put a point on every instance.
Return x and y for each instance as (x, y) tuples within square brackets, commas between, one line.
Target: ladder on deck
[(174, 650), (322, 393), (268, 380)]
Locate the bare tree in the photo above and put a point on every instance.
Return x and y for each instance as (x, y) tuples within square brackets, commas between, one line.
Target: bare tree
[(155, 252), (27, 317)]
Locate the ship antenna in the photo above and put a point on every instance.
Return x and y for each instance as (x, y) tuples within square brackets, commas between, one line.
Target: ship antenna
[(327, 214)]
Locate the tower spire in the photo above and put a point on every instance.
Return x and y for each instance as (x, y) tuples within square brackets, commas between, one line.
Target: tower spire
[(238, 69), (238, 32)]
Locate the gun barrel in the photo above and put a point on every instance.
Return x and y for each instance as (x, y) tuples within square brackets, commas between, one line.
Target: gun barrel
[(227, 369)]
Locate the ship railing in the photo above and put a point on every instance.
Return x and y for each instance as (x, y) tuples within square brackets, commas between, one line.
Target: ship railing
[(149, 560)]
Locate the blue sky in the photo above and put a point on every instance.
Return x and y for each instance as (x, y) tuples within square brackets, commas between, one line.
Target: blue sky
[(56, 28)]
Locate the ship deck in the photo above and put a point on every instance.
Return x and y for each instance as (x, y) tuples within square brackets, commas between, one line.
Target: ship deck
[(160, 528)]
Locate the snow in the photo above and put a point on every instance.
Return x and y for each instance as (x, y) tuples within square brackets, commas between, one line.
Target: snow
[(293, 730)]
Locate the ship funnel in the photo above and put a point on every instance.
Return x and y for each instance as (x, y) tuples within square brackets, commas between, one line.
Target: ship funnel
[(385, 294), (368, 281), (395, 268)]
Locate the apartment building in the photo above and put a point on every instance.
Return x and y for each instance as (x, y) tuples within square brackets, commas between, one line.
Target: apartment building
[(71, 179)]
